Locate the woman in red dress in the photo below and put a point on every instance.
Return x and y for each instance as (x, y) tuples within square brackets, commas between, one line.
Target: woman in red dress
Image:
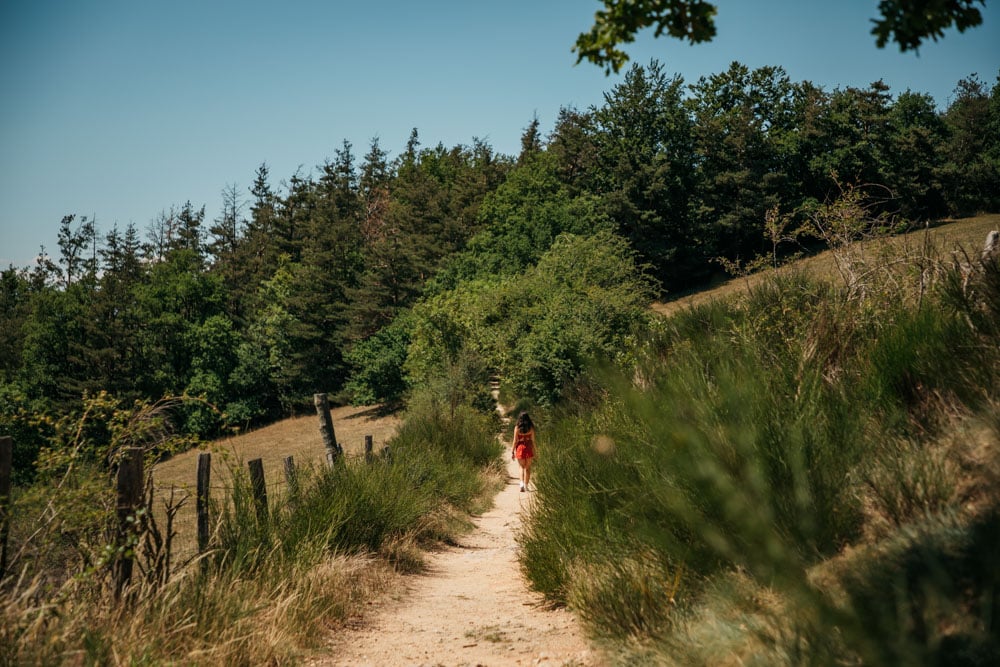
[(524, 447)]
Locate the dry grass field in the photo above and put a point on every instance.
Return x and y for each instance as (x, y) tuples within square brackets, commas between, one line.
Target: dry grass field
[(950, 235), (298, 437)]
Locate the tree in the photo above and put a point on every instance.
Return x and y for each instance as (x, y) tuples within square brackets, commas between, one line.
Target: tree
[(264, 370), (620, 20), (258, 254), (114, 325), (519, 222), (855, 125), (294, 215), (418, 213), (227, 230), (74, 245), (531, 140), (646, 168), (910, 22), (916, 139), (51, 364), (742, 122), (188, 232), (971, 169), (227, 237), (14, 302), (175, 299), (907, 22), (572, 145), (54, 361)]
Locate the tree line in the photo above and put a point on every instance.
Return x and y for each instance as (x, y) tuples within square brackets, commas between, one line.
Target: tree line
[(369, 274)]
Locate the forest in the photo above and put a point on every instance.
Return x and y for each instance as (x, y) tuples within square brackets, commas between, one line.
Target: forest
[(811, 468)]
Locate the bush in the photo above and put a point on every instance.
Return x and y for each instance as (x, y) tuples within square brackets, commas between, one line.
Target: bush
[(27, 424)]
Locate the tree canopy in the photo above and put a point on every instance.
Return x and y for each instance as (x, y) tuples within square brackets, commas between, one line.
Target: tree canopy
[(909, 23)]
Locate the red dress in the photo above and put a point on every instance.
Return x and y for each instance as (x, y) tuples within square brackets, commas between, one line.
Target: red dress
[(524, 444)]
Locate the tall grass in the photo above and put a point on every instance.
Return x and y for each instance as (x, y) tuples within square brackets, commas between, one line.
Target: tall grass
[(271, 586), (763, 441)]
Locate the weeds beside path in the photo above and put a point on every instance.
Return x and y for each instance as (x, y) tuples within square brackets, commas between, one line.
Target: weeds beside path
[(471, 607)]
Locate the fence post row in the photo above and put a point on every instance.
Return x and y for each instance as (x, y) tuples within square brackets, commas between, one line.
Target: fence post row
[(333, 450), (369, 445), (204, 483), (6, 464), (129, 498), (259, 488)]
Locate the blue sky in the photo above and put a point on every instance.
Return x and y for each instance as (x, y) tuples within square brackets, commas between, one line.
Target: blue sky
[(120, 109)]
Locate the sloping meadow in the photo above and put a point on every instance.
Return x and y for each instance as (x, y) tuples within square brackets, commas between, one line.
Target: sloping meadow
[(804, 475)]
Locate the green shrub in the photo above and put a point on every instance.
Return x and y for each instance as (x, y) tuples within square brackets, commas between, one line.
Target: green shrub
[(435, 424), (378, 364), (929, 595), (27, 424), (628, 595)]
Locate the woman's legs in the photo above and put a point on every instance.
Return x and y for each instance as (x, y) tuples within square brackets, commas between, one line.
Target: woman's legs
[(525, 472)]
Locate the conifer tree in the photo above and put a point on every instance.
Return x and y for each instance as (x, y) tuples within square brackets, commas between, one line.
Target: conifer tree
[(646, 172), (531, 140), (114, 325)]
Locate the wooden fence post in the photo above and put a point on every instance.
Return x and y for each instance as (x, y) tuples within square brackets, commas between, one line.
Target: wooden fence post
[(204, 483), (6, 464), (290, 474), (129, 499), (259, 488), (368, 449), (333, 450)]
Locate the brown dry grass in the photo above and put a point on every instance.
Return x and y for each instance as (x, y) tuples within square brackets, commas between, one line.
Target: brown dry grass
[(298, 437), (967, 233)]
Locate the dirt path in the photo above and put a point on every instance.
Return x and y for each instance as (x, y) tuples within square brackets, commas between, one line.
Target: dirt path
[(471, 608)]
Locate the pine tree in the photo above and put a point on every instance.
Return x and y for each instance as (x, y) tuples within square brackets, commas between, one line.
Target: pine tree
[(646, 172), (114, 326), (531, 140)]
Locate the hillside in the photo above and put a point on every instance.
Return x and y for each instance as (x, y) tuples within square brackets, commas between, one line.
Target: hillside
[(298, 437), (947, 236), (807, 475)]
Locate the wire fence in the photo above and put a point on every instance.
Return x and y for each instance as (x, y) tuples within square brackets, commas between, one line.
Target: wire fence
[(266, 487), (134, 483)]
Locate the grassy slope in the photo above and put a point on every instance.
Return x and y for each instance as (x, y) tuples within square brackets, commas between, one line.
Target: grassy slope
[(298, 437), (949, 235), (740, 621)]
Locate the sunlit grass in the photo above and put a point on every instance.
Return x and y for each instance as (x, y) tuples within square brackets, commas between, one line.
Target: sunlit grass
[(272, 586), (803, 474)]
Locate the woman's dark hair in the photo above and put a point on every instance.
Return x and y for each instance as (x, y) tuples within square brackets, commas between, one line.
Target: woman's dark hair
[(524, 423)]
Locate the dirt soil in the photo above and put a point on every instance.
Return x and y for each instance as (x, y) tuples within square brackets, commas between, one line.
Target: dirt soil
[(472, 607)]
